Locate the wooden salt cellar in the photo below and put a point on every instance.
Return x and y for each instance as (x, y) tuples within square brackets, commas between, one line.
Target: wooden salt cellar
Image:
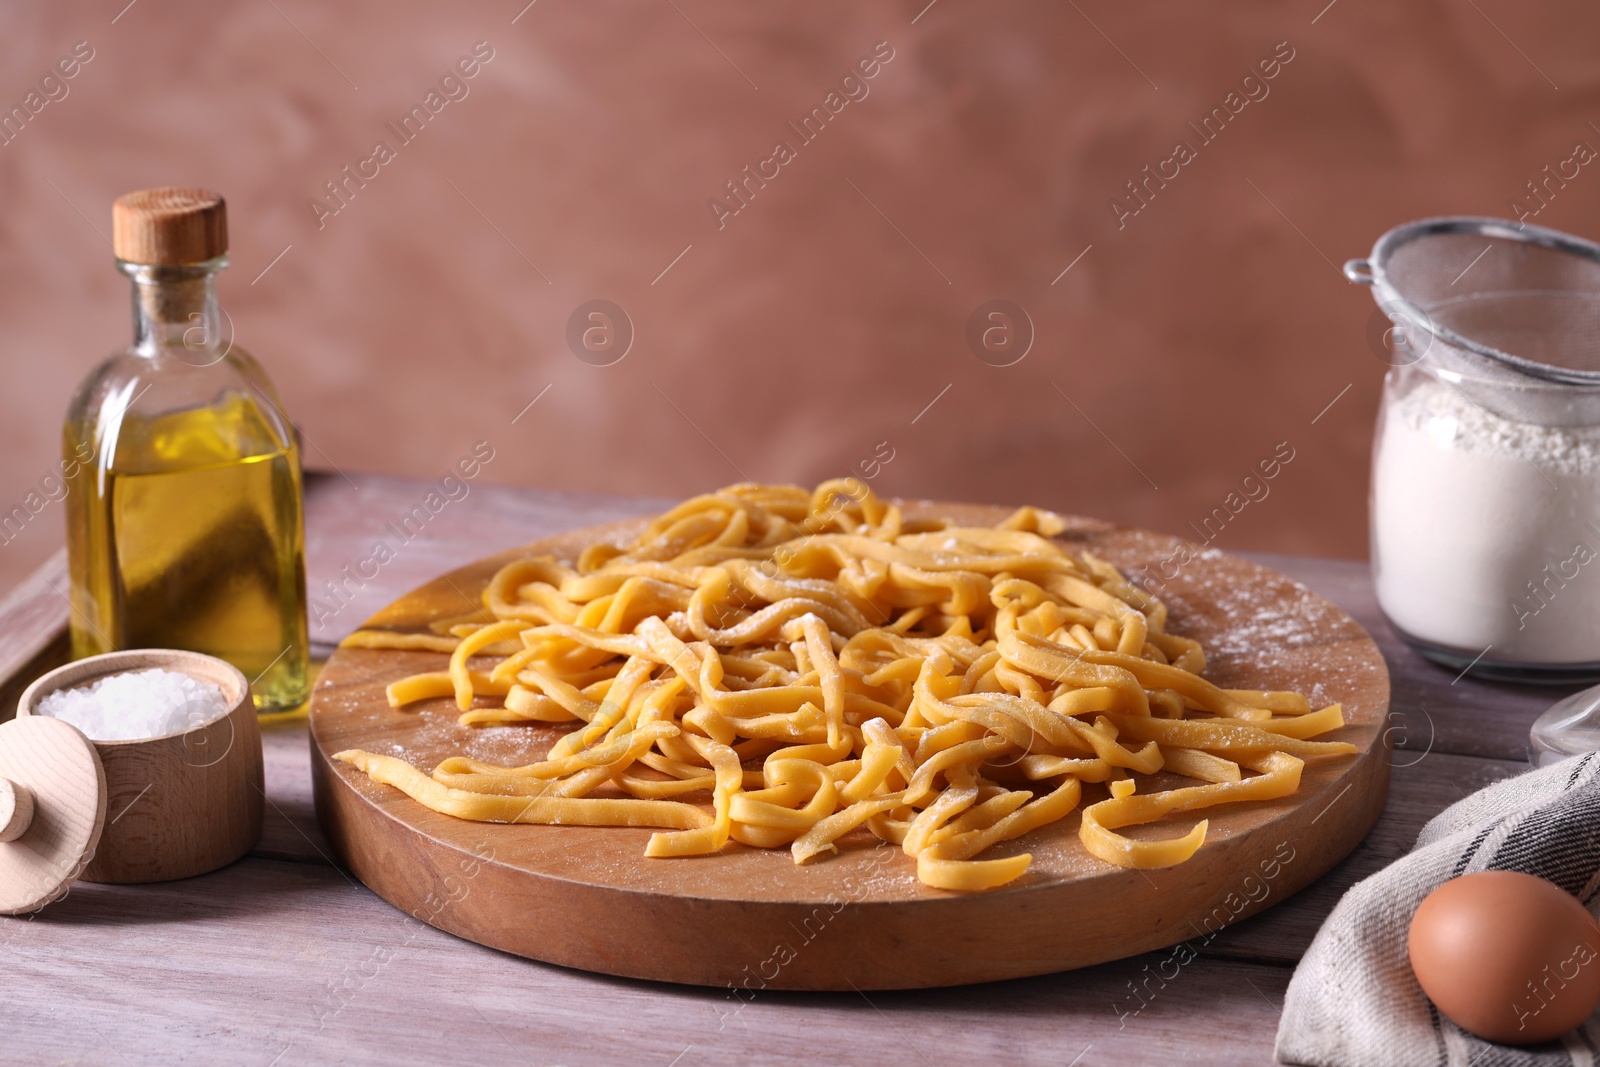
[(179, 805)]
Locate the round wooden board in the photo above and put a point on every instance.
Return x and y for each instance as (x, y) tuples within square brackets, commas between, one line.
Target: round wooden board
[(587, 897)]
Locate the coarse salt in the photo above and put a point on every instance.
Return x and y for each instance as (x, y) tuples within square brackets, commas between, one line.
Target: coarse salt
[(136, 704)]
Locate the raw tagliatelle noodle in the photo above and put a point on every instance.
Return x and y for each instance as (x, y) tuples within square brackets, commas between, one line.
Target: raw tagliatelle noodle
[(780, 667)]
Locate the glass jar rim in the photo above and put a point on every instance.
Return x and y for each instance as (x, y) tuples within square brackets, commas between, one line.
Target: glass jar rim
[(1504, 381)]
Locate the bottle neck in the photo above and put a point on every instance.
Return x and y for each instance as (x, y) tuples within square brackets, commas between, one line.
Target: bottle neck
[(175, 307)]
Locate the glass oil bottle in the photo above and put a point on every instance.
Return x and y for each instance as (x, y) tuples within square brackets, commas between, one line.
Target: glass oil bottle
[(184, 521)]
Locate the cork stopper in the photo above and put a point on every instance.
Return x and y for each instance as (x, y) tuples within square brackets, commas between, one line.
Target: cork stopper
[(169, 226)]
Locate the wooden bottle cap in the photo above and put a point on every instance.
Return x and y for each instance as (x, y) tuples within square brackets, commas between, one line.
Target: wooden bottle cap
[(169, 226), (54, 798)]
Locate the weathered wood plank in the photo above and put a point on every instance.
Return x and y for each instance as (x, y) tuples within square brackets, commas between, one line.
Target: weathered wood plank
[(289, 828), (267, 962)]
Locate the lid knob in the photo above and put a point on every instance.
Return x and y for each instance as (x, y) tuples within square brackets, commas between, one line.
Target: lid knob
[(16, 810), (169, 226)]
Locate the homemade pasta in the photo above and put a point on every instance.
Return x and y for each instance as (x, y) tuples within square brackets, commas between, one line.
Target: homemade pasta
[(781, 668)]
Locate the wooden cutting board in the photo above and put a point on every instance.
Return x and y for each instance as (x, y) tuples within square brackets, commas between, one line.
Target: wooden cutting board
[(587, 897)]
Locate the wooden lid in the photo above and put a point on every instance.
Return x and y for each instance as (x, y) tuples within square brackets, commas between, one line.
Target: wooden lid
[(169, 226), (54, 807)]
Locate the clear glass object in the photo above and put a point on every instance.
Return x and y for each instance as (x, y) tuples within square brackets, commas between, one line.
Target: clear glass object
[(1485, 508), (1571, 726), (184, 512)]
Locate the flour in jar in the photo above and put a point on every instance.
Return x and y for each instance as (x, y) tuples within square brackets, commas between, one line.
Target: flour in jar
[(1486, 530)]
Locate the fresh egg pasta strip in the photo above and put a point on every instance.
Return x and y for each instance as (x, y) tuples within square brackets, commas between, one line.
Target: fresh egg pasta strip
[(822, 835), (1029, 814), (415, 687), (489, 808), (396, 639), (1306, 725), (1192, 763), (701, 840), (460, 676), (950, 803), (1221, 735), (1280, 777), (458, 771), (970, 876)]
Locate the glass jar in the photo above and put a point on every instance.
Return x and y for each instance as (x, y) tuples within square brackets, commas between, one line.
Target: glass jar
[(1485, 504), (1486, 528)]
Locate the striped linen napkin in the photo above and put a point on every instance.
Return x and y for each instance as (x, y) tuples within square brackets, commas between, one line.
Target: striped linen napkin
[(1353, 1001)]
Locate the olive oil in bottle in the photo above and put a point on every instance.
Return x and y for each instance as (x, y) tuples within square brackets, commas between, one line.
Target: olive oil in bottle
[(184, 521)]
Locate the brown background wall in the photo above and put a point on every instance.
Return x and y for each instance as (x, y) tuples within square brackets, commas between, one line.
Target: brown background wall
[(819, 321)]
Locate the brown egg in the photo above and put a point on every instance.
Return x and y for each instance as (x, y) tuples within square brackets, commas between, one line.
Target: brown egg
[(1508, 956)]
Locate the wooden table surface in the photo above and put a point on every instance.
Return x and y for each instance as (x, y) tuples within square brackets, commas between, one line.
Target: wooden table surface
[(283, 958)]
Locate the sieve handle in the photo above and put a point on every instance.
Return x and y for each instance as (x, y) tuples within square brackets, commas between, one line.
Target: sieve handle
[(1358, 270)]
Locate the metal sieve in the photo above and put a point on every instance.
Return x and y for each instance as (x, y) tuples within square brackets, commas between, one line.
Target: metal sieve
[(1509, 312)]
